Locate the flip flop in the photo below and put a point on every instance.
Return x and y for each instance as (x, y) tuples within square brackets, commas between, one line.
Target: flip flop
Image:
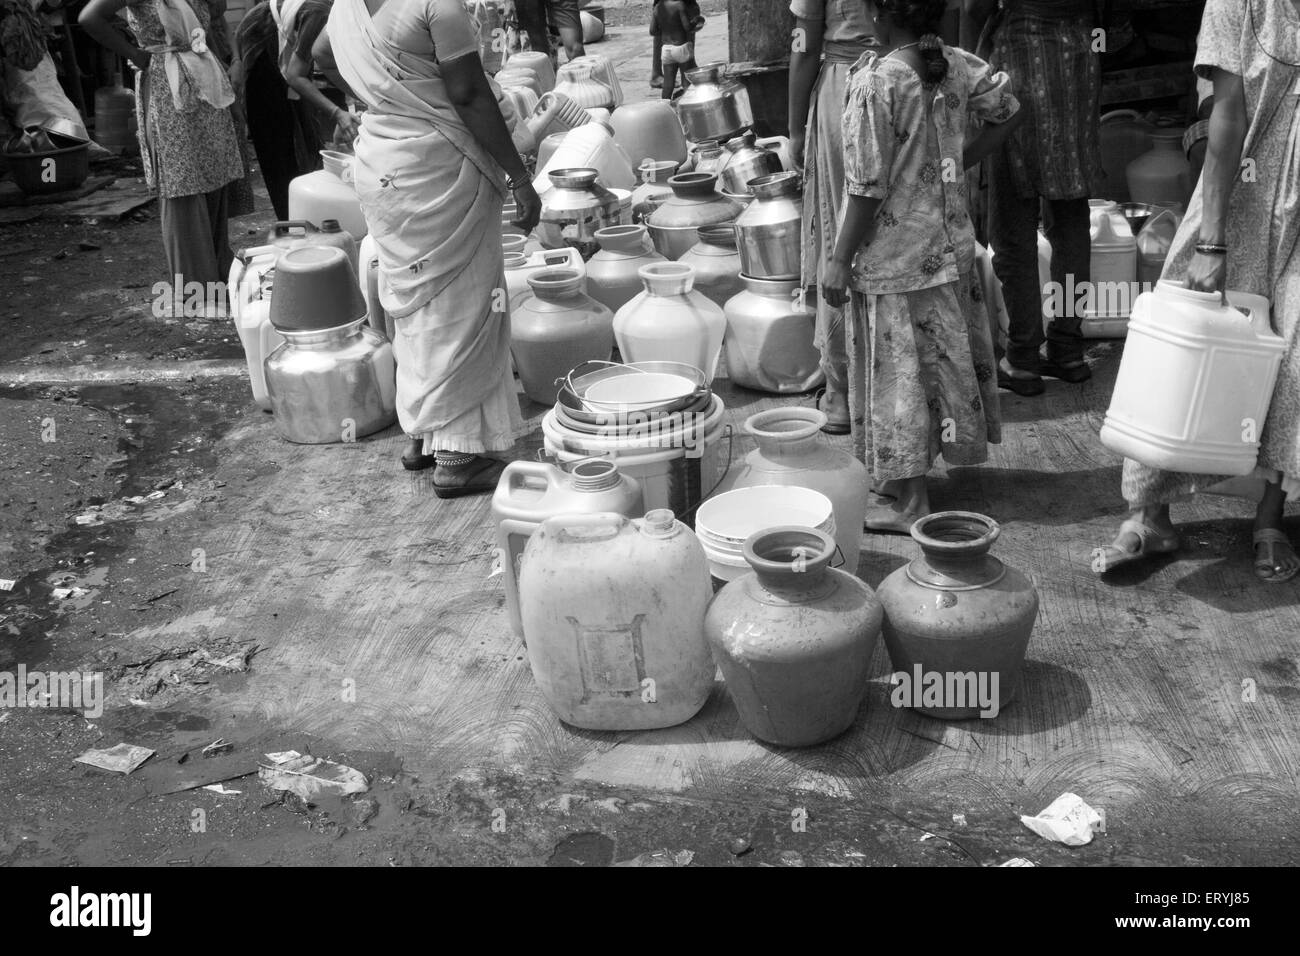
[(481, 478), (884, 520), (1266, 569), (1150, 541), (1073, 372)]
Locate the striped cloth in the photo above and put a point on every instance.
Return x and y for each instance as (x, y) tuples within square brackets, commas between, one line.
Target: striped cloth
[(1055, 153)]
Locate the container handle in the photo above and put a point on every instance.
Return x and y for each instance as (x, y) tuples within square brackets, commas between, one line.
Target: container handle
[(282, 227), (563, 526), (731, 437), (237, 267), (1120, 114), (1257, 308), (520, 473)]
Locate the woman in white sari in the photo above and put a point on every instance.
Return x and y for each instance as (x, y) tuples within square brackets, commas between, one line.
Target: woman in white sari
[(434, 160)]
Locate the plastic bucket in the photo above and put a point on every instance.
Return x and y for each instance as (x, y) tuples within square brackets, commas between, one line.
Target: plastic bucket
[(678, 459), (730, 518)]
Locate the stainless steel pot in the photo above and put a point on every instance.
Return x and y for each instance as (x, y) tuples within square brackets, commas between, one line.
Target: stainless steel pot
[(768, 235), (744, 161), (713, 106), (575, 209), (332, 385)]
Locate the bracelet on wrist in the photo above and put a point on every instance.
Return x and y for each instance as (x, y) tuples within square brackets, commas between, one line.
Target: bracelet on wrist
[(516, 183), (1211, 249)]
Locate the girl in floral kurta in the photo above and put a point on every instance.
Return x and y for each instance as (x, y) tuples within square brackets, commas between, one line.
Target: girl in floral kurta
[(922, 373), (1250, 49)]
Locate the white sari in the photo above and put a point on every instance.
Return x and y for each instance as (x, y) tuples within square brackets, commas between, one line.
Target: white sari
[(432, 199)]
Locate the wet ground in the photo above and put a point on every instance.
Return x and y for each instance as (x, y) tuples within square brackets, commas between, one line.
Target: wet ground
[(156, 532)]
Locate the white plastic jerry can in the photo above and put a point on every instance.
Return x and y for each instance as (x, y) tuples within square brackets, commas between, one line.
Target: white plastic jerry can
[(520, 266), (1195, 382), (368, 280), (529, 492), (613, 613), (250, 303)]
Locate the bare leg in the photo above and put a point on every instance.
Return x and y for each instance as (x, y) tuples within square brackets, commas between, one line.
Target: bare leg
[(657, 64), (670, 81), (897, 515)]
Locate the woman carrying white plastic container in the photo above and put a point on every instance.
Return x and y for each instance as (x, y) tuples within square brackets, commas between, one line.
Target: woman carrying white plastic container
[(1241, 233), (434, 159)]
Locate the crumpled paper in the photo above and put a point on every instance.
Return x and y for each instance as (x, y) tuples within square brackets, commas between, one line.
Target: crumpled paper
[(1067, 820), (121, 759)]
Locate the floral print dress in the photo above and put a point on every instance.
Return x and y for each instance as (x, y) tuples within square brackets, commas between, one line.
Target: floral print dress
[(922, 371), (195, 151)]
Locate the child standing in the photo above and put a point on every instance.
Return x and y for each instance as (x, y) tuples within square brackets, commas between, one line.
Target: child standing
[(673, 24), (922, 372)]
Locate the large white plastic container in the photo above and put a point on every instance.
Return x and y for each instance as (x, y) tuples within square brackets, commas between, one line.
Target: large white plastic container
[(1195, 382), (529, 492), (613, 614), (329, 193), (250, 304), (590, 146), (368, 279), (519, 266), (1113, 273), (679, 461)]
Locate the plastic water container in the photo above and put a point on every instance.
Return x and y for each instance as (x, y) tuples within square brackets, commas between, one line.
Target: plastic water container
[(329, 193), (250, 277), (368, 279), (590, 146), (613, 612), (1195, 382), (115, 124), (519, 266), (724, 523), (529, 492), (1113, 273)]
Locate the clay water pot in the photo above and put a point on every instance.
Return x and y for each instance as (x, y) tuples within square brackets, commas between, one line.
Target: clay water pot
[(794, 638), (957, 610), (695, 202)]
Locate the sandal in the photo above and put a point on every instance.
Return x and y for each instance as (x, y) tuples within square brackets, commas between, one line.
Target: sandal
[(1267, 568), (1028, 386), (1150, 541), (1074, 372), (419, 462), (480, 477)]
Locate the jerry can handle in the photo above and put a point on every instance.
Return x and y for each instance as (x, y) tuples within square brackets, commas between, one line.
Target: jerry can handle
[(1257, 307), (1121, 114), (520, 474), (282, 227), (563, 526)]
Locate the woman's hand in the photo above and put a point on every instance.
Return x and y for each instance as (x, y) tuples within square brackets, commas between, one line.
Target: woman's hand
[(529, 205), (835, 282), (796, 151), (238, 77), (1206, 272), (140, 60), (348, 124)]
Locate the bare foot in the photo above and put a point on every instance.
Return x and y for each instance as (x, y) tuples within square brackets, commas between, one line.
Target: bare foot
[(1275, 559)]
